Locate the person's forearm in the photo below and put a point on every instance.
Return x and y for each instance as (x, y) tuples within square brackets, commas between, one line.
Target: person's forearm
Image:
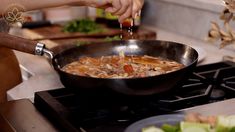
[(38, 4)]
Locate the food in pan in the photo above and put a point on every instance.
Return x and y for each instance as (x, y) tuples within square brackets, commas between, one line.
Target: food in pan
[(121, 66), (198, 123)]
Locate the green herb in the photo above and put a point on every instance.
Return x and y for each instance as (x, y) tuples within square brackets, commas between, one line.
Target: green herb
[(114, 38), (170, 128), (83, 26), (233, 129)]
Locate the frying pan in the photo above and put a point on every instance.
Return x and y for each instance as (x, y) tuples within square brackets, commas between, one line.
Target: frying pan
[(132, 86)]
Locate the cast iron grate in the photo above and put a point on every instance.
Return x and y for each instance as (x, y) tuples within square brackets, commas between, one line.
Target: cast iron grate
[(203, 87), (105, 112)]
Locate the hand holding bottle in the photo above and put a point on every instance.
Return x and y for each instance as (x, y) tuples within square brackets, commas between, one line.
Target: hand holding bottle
[(123, 8)]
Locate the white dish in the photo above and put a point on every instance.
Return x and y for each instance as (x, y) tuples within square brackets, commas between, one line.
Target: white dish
[(202, 53)]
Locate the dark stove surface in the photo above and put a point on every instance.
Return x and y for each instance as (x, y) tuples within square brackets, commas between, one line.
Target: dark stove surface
[(111, 112)]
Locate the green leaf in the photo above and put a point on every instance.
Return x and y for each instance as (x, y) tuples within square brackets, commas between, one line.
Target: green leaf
[(114, 38), (170, 128), (84, 26)]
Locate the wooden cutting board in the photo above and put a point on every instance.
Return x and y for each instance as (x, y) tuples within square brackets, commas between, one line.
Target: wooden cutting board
[(61, 44), (55, 32)]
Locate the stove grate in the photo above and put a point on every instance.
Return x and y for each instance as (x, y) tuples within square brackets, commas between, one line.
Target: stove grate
[(105, 112)]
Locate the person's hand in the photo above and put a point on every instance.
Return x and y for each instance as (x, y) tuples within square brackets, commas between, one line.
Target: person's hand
[(123, 8)]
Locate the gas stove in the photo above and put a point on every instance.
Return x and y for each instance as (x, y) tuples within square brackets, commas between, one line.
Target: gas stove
[(112, 112)]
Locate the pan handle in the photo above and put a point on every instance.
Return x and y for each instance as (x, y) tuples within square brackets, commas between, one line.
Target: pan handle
[(24, 45)]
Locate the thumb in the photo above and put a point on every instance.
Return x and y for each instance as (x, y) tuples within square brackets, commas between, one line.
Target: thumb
[(104, 3), (110, 9)]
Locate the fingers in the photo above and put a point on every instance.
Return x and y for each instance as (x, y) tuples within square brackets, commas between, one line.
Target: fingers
[(126, 15), (137, 5), (125, 5), (125, 8), (115, 6)]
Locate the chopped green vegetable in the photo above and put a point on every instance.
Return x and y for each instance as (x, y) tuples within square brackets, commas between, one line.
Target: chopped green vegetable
[(225, 124), (232, 130), (185, 125), (83, 26), (222, 124), (152, 129), (170, 128), (114, 38), (231, 121), (195, 129)]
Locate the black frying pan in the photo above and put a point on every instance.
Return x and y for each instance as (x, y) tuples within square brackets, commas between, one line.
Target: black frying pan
[(134, 86)]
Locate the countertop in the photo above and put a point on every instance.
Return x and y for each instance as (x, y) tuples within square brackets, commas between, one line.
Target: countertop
[(22, 116), (41, 75)]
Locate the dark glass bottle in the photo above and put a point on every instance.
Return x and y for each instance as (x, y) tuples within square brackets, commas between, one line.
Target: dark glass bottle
[(131, 24), (100, 16), (112, 21)]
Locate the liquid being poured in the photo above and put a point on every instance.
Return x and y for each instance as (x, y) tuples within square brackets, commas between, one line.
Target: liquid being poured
[(121, 53), (121, 31), (130, 29), (127, 25)]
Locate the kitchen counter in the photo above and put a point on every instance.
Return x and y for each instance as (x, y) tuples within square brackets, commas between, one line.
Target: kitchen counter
[(41, 76), (22, 116)]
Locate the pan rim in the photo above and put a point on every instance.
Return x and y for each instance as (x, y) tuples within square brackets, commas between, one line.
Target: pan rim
[(55, 65)]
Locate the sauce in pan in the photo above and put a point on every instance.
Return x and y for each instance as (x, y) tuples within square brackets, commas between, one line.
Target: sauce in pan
[(121, 66)]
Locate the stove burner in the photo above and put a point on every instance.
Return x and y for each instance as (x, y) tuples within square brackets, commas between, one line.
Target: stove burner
[(111, 112), (217, 94)]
